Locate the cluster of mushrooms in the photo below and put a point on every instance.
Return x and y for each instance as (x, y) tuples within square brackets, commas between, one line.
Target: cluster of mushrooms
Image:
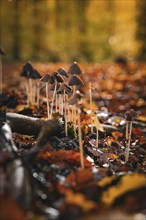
[(66, 97), (63, 96)]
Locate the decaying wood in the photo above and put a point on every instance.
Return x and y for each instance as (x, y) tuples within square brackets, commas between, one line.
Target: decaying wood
[(32, 126)]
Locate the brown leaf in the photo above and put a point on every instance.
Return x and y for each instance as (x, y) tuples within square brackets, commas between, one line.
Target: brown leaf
[(79, 178), (62, 155)]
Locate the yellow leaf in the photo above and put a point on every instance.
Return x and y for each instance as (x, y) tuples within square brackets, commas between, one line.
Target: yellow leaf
[(97, 124), (106, 180), (127, 183), (80, 200)]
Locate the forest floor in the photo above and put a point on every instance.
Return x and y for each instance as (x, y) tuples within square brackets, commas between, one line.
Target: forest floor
[(56, 187)]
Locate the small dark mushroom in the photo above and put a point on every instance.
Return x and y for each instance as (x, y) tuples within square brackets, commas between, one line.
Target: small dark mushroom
[(35, 75), (75, 81), (62, 72), (57, 77), (75, 69), (26, 70), (129, 116), (46, 79)]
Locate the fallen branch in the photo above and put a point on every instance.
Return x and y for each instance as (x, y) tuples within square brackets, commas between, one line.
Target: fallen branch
[(32, 126)]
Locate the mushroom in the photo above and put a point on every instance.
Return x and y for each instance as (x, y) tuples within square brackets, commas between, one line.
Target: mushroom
[(57, 78), (91, 108), (75, 101), (62, 72), (26, 70), (98, 128), (35, 75), (2, 53), (47, 79), (129, 116), (75, 81), (75, 69), (64, 89)]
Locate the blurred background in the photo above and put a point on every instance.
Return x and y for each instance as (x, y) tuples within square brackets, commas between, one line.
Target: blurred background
[(68, 30)]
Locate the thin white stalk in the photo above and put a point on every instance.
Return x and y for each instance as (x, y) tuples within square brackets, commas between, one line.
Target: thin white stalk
[(34, 92), (80, 141), (62, 105), (97, 137), (38, 92), (91, 106), (47, 96), (1, 75), (72, 108), (129, 141), (74, 90), (30, 90), (127, 123), (59, 101), (75, 115), (27, 92), (54, 93), (56, 102), (65, 114)]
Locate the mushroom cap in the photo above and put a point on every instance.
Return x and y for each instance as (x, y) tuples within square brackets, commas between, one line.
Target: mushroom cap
[(34, 74), (128, 116), (47, 78), (2, 52), (75, 81), (75, 69), (64, 87), (58, 77), (62, 72), (26, 70), (133, 114)]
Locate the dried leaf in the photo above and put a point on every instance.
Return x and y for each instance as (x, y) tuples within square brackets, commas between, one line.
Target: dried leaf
[(97, 124), (112, 156), (116, 135), (127, 183), (62, 155), (79, 178)]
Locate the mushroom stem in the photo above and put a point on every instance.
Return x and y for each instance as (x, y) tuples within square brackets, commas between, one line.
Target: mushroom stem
[(38, 93), (80, 140), (91, 107), (75, 115), (27, 92), (97, 137), (127, 126), (62, 105), (128, 144), (54, 93), (30, 90), (74, 90), (65, 114), (59, 101), (56, 102), (33, 91), (47, 96), (1, 75)]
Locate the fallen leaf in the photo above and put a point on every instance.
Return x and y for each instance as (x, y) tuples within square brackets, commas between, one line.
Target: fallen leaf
[(127, 183), (79, 178)]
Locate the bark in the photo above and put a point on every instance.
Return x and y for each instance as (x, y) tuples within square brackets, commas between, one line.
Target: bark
[(32, 126)]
